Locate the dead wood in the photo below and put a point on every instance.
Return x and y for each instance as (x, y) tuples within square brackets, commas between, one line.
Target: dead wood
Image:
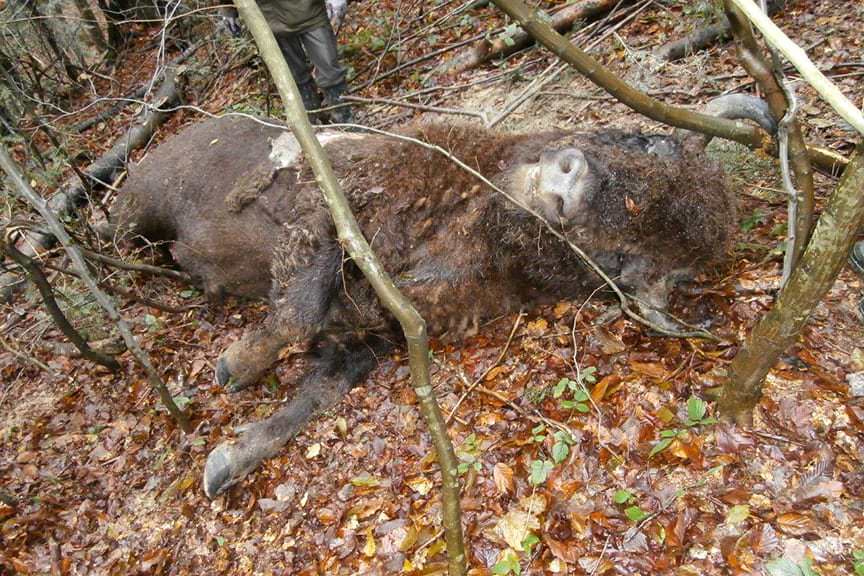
[(136, 94), (486, 49), (144, 268), (65, 202), (704, 37)]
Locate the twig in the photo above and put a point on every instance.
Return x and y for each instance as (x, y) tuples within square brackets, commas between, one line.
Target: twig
[(436, 109), (24, 357), (480, 378), (145, 268), (422, 58), (556, 68)]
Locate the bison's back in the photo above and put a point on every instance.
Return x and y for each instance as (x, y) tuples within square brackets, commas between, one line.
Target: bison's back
[(186, 191)]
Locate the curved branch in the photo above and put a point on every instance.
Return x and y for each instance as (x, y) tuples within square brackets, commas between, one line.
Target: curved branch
[(34, 272), (532, 21), (801, 204)]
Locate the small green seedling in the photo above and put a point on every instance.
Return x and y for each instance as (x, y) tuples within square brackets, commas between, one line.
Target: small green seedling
[(469, 455), (508, 564)]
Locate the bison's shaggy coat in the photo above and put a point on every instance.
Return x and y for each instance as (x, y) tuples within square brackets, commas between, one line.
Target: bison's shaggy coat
[(246, 217)]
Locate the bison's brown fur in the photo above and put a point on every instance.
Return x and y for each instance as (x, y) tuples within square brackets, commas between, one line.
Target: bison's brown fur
[(245, 223)]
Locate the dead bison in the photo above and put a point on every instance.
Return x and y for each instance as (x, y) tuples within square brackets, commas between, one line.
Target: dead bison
[(246, 217)]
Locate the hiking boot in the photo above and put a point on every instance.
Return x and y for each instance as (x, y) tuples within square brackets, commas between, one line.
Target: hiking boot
[(856, 258), (309, 95), (333, 97)]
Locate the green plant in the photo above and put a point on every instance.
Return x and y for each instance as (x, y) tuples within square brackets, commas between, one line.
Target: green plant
[(508, 563), (468, 454), (858, 562), (633, 512), (696, 416), (573, 394), (541, 468), (750, 222), (786, 567)]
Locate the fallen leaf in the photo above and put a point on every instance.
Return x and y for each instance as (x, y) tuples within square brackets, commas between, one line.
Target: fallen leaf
[(737, 514), (313, 451), (514, 526), (502, 474), (369, 548), (420, 484)]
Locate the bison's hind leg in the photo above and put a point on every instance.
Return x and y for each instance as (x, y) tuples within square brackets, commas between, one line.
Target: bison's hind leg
[(336, 368)]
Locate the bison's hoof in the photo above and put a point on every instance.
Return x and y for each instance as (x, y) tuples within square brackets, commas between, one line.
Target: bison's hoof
[(223, 375), (225, 378), (219, 473)]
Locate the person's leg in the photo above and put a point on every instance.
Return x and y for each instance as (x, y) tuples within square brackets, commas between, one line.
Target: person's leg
[(320, 45), (298, 63)]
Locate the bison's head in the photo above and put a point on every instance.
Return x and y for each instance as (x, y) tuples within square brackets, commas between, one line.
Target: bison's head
[(555, 182)]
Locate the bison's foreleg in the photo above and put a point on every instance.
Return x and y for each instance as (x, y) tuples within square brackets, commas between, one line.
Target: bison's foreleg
[(336, 368), (305, 280)]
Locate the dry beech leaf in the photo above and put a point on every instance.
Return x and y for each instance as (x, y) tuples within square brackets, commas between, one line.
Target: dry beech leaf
[(369, 548), (796, 524), (420, 484), (821, 490), (514, 526), (652, 369), (502, 474), (563, 551)]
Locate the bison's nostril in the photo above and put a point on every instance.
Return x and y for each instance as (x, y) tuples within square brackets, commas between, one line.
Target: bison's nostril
[(559, 205)]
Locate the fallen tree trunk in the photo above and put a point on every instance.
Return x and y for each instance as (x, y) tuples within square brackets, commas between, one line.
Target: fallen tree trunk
[(72, 193), (704, 37), (486, 49), (139, 92)]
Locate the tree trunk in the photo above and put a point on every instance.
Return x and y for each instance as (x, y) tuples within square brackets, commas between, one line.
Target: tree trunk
[(351, 237), (819, 266)]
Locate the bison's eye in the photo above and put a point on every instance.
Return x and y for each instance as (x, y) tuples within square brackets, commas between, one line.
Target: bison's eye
[(565, 165)]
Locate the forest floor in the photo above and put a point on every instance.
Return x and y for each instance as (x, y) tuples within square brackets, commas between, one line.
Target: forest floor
[(96, 479)]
